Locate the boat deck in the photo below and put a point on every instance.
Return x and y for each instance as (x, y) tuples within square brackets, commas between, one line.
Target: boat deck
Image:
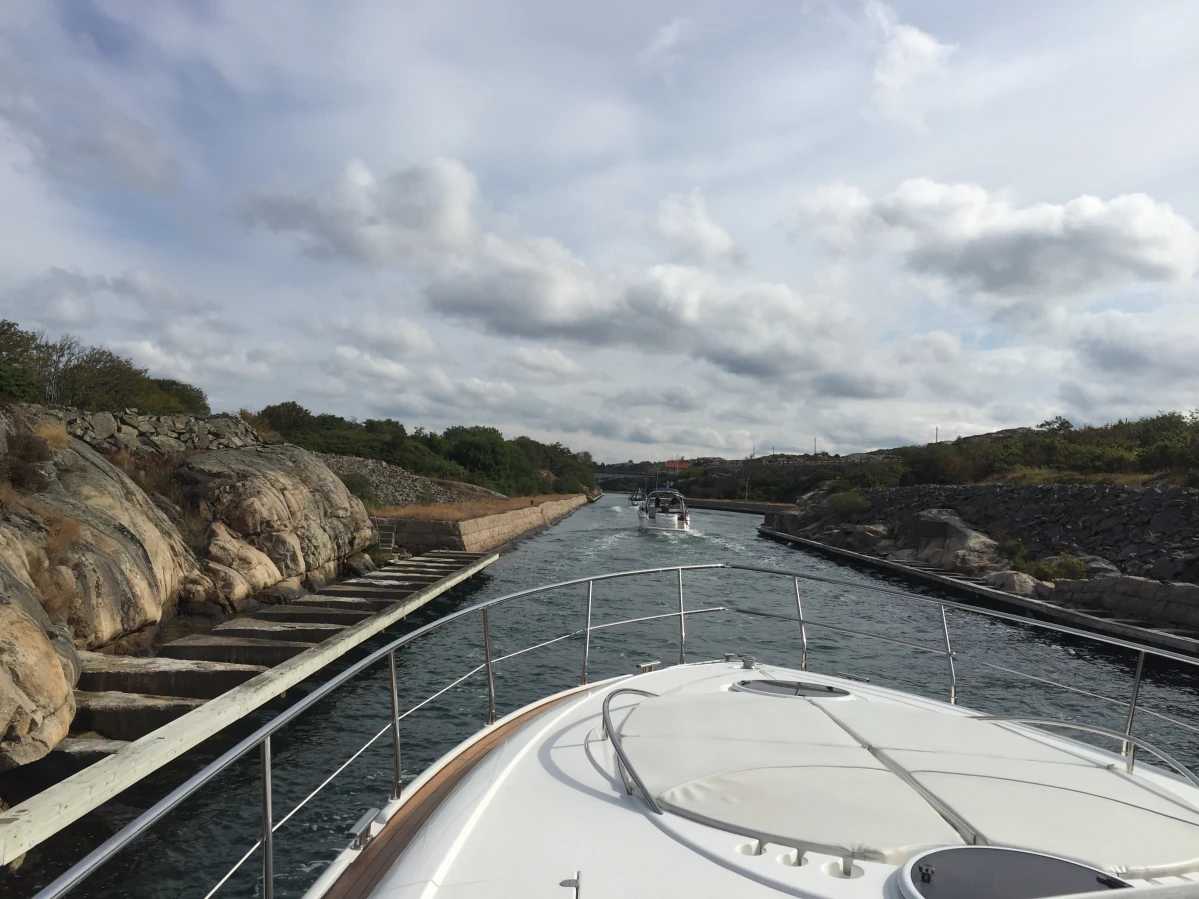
[(821, 795)]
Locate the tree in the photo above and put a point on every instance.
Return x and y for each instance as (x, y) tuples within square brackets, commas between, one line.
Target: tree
[(193, 400), (16, 382), (287, 418), (1056, 425)]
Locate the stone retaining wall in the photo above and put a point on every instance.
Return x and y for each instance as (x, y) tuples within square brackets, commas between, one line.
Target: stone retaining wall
[(1145, 531), (474, 534), (137, 431), (1167, 604)]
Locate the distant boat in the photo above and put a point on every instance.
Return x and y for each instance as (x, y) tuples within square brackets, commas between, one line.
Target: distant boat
[(664, 509), (637, 497)]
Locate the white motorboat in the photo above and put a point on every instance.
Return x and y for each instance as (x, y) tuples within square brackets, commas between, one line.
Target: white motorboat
[(733, 777), (664, 509), (637, 497)]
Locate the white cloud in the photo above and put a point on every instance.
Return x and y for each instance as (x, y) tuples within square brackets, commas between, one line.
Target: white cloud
[(909, 63), (663, 52), (982, 242), (409, 216), (544, 364), (353, 362), (684, 222)]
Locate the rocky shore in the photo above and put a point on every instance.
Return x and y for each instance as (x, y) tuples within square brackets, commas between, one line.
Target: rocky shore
[(1131, 551), (96, 551)]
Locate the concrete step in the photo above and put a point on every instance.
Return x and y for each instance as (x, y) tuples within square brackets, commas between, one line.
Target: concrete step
[(242, 650), (362, 591), (313, 614), (304, 631), (161, 676), (127, 716), (353, 603), (395, 577)]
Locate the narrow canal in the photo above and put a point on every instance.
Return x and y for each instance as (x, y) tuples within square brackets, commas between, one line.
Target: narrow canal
[(189, 853)]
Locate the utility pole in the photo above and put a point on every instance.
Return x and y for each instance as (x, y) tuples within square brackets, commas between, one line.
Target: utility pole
[(937, 432)]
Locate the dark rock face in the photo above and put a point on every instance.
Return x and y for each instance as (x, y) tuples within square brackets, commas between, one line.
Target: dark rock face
[(1144, 531)]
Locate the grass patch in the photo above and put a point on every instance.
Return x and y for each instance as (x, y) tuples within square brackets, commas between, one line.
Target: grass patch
[(1035, 476), (463, 511), (62, 535), (844, 505), (54, 433)]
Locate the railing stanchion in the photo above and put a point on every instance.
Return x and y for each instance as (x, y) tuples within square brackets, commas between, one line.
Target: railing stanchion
[(587, 633), (268, 824), (1127, 748), (953, 675), (396, 783), (803, 628), (490, 678), (682, 624)]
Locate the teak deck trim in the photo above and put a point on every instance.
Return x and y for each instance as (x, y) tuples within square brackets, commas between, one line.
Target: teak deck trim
[(365, 872)]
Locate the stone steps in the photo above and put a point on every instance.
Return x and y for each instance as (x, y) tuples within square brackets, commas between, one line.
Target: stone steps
[(127, 716), (325, 613), (240, 650), (351, 603), (161, 676), (277, 630), (389, 594)]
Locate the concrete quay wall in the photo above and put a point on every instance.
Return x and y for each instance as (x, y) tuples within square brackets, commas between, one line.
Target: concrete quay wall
[(474, 534)]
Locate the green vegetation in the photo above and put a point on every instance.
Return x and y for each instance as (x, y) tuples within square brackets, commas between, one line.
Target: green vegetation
[(1064, 567), (360, 485), (66, 372), (1165, 446), (476, 455), (846, 504), (1166, 442)]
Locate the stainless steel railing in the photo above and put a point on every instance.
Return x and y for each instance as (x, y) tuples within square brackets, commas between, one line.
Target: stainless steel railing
[(260, 739)]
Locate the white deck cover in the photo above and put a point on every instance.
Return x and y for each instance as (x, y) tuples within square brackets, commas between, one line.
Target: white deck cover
[(1014, 790), (778, 769)]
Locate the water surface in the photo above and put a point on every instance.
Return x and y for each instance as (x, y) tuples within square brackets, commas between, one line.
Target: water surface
[(191, 851)]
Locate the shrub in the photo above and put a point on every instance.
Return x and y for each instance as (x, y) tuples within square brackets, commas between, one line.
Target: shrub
[(62, 535), (360, 485), (1191, 479), (844, 505), (261, 425), (54, 433), (1067, 567)]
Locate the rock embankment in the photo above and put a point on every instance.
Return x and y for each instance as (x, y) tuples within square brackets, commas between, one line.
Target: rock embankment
[(1144, 531), (91, 560), (277, 513), (137, 431), (395, 486)]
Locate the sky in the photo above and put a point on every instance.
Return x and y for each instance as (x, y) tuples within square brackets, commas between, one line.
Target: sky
[(647, 229)]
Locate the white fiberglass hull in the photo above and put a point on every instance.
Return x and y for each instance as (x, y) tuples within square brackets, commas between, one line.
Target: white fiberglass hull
[(662, 522), (552, 804)]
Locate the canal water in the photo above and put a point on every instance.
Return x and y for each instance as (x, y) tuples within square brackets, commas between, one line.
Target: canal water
[(194, 848)]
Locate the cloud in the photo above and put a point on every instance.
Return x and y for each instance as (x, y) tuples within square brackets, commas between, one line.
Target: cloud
[(977, 241), (1124, 346), (544, 365), (909, 62), (353, 362), (519, 285), (662, 54), (384, 335), (74, 133), (683, 221), (413, 215), (671, 398)]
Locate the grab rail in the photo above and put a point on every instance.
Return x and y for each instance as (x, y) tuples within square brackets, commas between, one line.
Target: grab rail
[(260, 737), (614, 736), (1102, 731)]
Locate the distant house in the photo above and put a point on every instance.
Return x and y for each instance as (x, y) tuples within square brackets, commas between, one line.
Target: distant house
[(676, 465)]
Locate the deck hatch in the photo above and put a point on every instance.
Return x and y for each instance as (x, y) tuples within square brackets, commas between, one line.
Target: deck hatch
[(993, 872)]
